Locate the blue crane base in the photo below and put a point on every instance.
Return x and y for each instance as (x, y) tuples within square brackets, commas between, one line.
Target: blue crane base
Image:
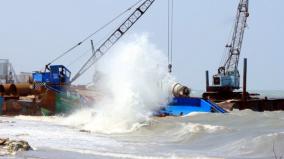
[(185, 105)]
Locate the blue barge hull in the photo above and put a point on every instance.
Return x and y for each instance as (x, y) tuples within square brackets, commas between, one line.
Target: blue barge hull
[(185, 105)]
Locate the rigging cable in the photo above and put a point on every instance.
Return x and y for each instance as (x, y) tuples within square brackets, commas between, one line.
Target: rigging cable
[(79, 57), (172, 31), (84, 53), (88, 37), (170, 34)]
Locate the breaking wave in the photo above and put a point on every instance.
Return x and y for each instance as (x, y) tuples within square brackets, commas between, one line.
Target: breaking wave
[(134, 82)]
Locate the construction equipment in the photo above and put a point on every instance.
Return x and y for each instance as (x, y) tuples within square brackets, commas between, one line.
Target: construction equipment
[(228, 78), (55, 76), (60, 75)]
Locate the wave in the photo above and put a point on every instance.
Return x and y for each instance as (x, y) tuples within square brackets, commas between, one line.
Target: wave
[(134, 81)]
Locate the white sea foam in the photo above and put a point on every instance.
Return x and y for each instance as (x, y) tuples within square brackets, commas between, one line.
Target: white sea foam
[(134, 81), (40, 118), (193, 128), (194, 114)]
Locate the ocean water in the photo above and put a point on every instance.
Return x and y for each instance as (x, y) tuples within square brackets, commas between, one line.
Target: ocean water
[(239, 134)]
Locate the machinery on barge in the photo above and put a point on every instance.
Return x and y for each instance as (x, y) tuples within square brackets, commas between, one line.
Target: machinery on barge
[(227, 80)]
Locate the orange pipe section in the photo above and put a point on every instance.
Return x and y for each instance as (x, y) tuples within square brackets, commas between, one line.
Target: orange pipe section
[(20, 89), (24, 89)]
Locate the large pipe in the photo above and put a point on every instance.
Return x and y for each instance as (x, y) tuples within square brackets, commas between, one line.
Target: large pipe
[(24, 89), (20, 89), (179, 90)]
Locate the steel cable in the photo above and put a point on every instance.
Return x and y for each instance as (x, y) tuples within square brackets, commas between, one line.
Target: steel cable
[(101, 28)]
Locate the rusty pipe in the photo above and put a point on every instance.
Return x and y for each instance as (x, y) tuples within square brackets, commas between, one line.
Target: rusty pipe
[(20, 89), (24, 89)]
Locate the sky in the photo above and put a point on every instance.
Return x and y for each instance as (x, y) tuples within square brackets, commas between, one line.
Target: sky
[(32, 33)]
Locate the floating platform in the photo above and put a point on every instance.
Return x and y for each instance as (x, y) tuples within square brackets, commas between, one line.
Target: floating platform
[(260, 104), (229, 98)]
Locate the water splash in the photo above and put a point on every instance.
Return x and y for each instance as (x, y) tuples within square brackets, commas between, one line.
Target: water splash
[(134, 82)]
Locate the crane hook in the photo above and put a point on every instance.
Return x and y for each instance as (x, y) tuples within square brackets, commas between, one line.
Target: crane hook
[(170, 66)]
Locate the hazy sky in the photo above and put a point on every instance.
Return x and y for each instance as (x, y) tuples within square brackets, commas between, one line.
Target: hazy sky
[(33, 32)]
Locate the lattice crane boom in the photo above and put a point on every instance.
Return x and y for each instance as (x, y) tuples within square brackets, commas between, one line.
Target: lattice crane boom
[(114, 37), (234, 48)]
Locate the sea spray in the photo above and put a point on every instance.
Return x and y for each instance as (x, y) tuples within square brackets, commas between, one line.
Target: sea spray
[(134, 83)]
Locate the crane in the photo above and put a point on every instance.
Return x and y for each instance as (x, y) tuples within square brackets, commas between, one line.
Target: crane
[(114, 37), (60, 75), (228, 77)]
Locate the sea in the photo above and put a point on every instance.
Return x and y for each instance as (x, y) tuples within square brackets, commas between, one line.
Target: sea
[(235, 135)]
